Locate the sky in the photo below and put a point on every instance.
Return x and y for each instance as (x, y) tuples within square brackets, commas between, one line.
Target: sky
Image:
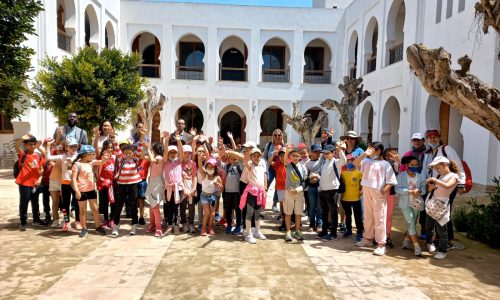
[(288, 3)]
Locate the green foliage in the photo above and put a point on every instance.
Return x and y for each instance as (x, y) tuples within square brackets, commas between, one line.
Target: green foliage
[(16, 23), (460, 218), (96, 85), (482, 222)]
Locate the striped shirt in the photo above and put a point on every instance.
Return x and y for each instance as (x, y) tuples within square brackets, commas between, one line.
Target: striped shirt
[(128, 169)]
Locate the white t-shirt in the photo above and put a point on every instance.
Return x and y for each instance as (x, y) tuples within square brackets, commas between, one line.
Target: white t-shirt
[(377, 173), (257, 174)]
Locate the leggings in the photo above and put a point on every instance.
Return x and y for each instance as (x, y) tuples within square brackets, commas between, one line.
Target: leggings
[(172, 209), (253, 210), (232, 202), (104, 203), (68, 194), (190, 207)]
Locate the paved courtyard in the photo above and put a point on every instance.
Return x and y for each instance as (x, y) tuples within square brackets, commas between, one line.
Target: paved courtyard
[(47, 264)]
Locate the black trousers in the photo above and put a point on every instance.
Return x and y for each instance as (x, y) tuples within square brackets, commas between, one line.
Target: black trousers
[(172, 210), (329, 211), (128, 194), (68, 195), (104, 204), (232, 202), (441, 233), (349, 208)]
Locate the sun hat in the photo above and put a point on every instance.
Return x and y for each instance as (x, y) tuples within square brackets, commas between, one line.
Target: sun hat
[(438, 160), (351, 134)]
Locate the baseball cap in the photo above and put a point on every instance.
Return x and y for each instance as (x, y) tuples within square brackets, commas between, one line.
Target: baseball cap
[(71, 142), (432, 132), (438, 160), (249, 144), (328, 149), (324, 129), (417, 136), (255, 150), (172, 148), (302, 146), (212, 161), (187, 148), (349, 156), (86, 149), (315, 147)]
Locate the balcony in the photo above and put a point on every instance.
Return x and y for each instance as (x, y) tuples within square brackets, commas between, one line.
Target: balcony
[(149, 70), (275, 75), (232, 74), (352, 72), (371, 64), (396, 54), (63, 41), (190, 73), (317, 76)]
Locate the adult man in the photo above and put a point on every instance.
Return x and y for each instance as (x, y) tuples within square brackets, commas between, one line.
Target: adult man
[(185, 137), (71, 130), (139, 131)]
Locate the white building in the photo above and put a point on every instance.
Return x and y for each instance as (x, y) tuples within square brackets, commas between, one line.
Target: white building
[(228, 67)]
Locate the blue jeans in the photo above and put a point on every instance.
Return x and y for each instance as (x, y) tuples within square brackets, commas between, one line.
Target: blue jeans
[(271, 175), (26, 194), (314, 209)]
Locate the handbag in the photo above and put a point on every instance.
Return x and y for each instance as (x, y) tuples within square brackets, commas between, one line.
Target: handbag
[(436, 208), (416, 203)]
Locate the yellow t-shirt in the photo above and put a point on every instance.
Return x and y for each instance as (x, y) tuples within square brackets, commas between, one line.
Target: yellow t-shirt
[(352, 180)]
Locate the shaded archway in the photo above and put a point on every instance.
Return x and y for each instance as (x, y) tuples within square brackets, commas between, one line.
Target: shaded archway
[(66, 17), (192, 116), (91, 27), (314, 112), (317, 57), (276, 60), (232, 119), (371, 40), (395, 32), (233, 54), (109, 36), (366, 131), (190, 52), (352, 55), (270, 120), (148, 45), (390, 123)]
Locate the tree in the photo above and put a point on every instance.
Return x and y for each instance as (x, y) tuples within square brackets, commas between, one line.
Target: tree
[(465, 92), (96, 85), (303, 124), (17, 19), (149, 106), (488, 12)]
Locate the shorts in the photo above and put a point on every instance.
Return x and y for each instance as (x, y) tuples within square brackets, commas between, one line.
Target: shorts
[(209, 199), (90, 195), (281, 195), (54, 185), (142, 189), (294, 203)]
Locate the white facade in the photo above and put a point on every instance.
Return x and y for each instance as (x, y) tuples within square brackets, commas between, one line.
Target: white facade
[(318, 47)]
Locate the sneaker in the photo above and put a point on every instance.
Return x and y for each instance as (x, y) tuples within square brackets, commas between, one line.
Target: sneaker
[(250, 239), (431, 248), (406, 244), (115, 231), (259, 235), (418, 251), (101, 230), (423, 236), (185, 228), (203, 232), (23, 227), (164, 223), (150, 229), (176, 230), (78, 226), (83, 233), (39, 222), (65, 226), (329, 237), (364, 243), (359, 237), (105, 224), (389, 243), (288, 236), (440, 255), (342, 227), (133, 231), (228, 230), (245, 233), (158, 233), (379, 251), (282, 227), (347, 234), (310, 229), (276, 209), (299, 236), (321, 234), (211, 231), (47, 220), (237, 230), (55, 224), (141, 221), (191, 228), (222, 222)]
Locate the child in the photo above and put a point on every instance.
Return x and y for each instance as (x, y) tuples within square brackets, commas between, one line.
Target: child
[(189, 180), (55, 185), (83, 183), (351, 198), (232, 195), (143, 185), (155, 191), (127, 178), (172, 174), (105, 179), (410, 186), (29, 177), (312, 167), (294, 193), (67, 193), (392, 157), (280, 174), (209, 181), (440, 189), (378, 178)]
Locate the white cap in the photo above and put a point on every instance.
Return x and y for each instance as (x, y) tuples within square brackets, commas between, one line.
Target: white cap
[(255, 150), (172, 148), (417, 136), (187, 148), (438, 160), (250, 144)]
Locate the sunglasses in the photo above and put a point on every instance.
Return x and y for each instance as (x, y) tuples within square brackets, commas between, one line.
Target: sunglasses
[(277, 135)]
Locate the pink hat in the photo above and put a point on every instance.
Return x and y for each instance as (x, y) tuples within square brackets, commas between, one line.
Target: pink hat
[(212, 161)]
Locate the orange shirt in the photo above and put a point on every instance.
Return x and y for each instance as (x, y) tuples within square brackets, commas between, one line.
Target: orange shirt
[(31, 169), (280, 175)]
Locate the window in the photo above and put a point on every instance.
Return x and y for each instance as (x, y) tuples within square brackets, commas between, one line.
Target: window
[(461, 5), (5, 125), (271, 120), (191, 54), (314, 58), (449, 9), (106, 39), (439, 8), (192, 116), (274, 57)]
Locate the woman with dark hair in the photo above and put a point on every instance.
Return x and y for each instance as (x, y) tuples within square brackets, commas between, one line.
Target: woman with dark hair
[(102, 133), (378, 178)]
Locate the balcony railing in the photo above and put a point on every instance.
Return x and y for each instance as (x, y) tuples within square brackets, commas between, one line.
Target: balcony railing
[(352, 72), (63, 41), (232, 74), (275, 75), (190, 73), (149, 70), (317, 76), (396, 54), (371, 64)]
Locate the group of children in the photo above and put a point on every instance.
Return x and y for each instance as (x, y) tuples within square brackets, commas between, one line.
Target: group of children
[(183, 176)]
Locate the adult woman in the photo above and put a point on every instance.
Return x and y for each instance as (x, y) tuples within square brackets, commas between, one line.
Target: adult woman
[(102, 133), (277, 140), (352, 140)]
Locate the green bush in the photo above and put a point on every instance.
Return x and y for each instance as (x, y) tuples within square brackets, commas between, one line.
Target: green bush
[(460, 218)]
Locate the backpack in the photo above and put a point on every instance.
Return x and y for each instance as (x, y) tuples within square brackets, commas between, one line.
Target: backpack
[(119, 166), (468, 173), (18, 164)]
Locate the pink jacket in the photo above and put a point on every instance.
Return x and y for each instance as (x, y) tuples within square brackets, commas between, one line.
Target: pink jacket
[(260, 193), (172, 173)]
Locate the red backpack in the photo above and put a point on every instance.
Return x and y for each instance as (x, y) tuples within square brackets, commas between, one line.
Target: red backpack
[(468, 173)]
